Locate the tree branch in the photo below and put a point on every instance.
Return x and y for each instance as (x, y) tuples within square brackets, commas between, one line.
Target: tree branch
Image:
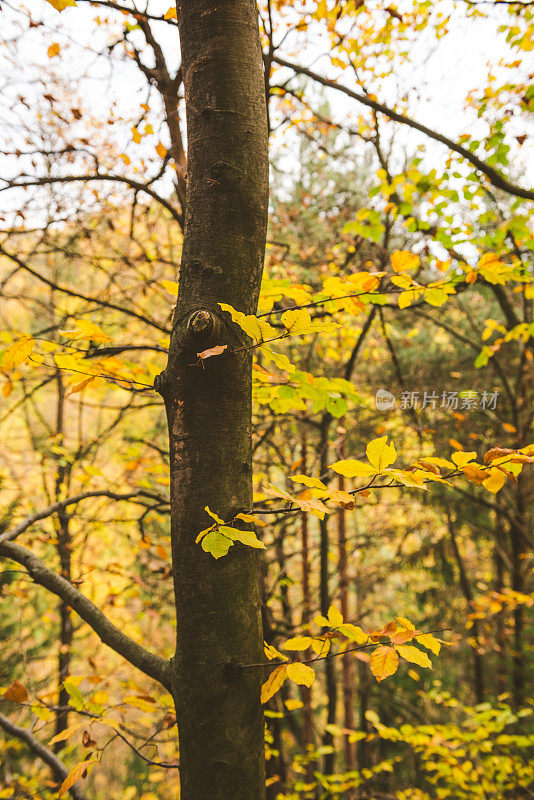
[(8, 536), (139, 187), (105, 303), (493, 175), (152, 665)]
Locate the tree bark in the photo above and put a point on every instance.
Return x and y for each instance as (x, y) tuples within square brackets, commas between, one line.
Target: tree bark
[(330, 669), (208, 403), (347, 659), (478, 665), (64, 547), (518, 529), (306, 692)]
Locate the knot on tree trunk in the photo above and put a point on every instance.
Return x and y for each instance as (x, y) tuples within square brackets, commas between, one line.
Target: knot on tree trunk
[(200, 323)]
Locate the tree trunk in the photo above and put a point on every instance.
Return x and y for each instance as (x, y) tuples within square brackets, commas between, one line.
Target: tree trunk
[(306, 692), (330, 670), (500, 625), (478, 662), (347, 659), (208, 403), (518, 529), (64, 549)]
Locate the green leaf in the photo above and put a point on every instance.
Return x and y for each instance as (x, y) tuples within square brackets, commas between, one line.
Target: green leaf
[(216, 544), (76, 697)]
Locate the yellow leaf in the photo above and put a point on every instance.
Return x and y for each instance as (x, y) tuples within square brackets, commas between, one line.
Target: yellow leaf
[(53, 50), (351, 468), (405, 623), (139, 702), (384, 662), (297, 320), (435, 297), (271, 652), (16, 353), (381, 454), (273, 683), (16, 692), (7, 388), (495, 480), (301, 674), (66, 734), (66, 361), (430, 642), (77, 772), (171, 286), (462, 458), (170, 13), (257, 329), (439, 462), (136, 135), (251, 518), (85, 329), (413, 654), (335, 617), (311, 505), (298, 643), (321, 647), (61, 5), (313, 483), (401, 260), (247, 538), (408, 297), (161, 150), (281, 360), (213, 515), (353, 632), (79, 387), (404, 281), (292, 705)]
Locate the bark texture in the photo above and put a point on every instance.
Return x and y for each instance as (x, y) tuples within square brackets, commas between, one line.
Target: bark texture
[(208, 403)]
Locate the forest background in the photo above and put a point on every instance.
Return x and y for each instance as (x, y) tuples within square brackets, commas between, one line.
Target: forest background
[(392, 398)]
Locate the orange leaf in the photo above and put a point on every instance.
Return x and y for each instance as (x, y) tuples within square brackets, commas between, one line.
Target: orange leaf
[(16, 692), (212, 351)]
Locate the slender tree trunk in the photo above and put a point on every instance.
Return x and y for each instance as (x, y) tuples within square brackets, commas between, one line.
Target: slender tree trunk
[(64, 552), (220, 720), (307, 713), (478, 664), (518, 531), (347, 662), (500, 632), (331, 684)]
